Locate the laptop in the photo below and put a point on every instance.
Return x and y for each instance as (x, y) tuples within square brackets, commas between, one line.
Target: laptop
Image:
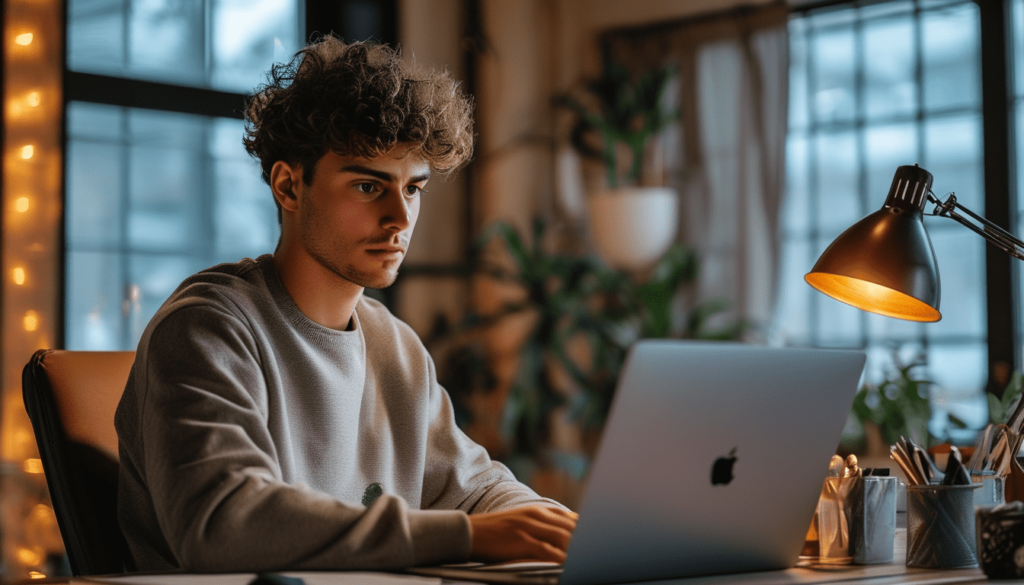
[(712, 461)]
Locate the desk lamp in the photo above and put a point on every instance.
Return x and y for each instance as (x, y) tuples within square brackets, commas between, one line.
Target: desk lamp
[(885, 264)]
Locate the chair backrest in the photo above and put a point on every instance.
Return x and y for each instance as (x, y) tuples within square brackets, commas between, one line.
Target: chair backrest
[(71, 397)]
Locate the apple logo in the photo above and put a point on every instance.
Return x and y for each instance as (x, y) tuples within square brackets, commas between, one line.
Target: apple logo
[(721, 471)]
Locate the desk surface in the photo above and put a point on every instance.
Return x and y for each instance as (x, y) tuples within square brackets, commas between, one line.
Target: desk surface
[(888, 574), (859, 576)]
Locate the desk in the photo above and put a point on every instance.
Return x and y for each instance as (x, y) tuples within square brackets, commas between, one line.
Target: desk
[(889, 574)]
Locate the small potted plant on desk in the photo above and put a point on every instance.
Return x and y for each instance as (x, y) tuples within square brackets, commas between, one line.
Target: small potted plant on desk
[(633, 218)]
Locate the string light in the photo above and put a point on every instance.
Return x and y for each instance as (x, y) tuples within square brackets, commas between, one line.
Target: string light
[(37, 73), (30, 321), (36, 575), (30, 557), (42, 513)]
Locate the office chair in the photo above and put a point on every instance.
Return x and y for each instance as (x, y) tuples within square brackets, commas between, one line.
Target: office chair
[(71, 397)]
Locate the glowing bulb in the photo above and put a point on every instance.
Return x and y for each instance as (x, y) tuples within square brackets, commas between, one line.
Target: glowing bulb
[(29, 556), (36, 575), (21, 204), (30, 321), (19, 275), (42, 512), (33, 466), (33, 99), (24, 39), (28, 151)]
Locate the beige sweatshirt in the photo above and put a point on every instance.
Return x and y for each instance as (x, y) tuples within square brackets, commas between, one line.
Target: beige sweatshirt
[(250, 438)]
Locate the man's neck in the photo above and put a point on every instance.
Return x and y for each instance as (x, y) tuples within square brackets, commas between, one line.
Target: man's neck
[(324, 297)]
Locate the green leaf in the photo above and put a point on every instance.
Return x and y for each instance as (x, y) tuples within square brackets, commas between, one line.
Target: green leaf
[(996, 410)]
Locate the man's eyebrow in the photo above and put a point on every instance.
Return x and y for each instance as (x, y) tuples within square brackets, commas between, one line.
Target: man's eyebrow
[(360, 169), (382, 175)]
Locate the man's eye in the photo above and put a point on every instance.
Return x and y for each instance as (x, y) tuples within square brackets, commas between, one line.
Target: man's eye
[(366, 187), (413, 190)]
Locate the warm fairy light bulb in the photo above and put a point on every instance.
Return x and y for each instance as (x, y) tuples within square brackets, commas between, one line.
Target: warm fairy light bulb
[(29, 557), (33, 466), (24, 39), (18, 274), (28, 151), (33, 99), (21, 204), (36, 575), (30, 321)]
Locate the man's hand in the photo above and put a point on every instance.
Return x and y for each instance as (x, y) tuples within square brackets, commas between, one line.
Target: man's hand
[(535, 533)]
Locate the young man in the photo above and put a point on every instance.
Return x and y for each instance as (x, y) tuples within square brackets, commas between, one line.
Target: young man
[(275, 418)]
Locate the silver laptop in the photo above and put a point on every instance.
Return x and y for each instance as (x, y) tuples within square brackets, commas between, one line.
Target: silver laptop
[(712, 461)]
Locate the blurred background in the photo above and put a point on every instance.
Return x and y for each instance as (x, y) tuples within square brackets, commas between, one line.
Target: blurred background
[(750, 134)]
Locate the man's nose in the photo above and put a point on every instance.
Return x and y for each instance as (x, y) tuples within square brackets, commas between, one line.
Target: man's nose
[(396, 214)]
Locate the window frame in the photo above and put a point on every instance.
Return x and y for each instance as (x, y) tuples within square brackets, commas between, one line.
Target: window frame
[(314, 17), (997, 148)]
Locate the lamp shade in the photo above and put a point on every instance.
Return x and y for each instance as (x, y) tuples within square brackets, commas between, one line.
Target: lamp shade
[(884, 263)]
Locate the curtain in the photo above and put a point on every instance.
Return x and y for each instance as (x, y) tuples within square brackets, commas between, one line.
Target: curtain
[(727, 156)]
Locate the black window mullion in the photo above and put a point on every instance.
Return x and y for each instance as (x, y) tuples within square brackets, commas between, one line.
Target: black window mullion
[(860, 120), (812, 175), (207, 40), (204, 247), (152, 95), (919, 119), (123, 255), (126, 36), (998, 146)]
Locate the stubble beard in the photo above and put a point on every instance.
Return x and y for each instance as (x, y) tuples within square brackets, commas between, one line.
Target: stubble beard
[(356, 276), (320, 249)]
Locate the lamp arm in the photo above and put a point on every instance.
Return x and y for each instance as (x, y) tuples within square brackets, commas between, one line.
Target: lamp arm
[(995, 235)]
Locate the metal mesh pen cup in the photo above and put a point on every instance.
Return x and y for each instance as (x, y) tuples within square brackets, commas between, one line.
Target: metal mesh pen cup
[(940, 526)]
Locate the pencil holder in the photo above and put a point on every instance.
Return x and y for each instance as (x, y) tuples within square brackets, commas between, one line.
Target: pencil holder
[(992, 489), (870, 509), (940, 526)]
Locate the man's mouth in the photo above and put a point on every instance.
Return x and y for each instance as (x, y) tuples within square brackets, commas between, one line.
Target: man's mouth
[(387, 251)]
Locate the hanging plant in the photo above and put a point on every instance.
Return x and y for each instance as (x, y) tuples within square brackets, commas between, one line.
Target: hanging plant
[(621, 112)]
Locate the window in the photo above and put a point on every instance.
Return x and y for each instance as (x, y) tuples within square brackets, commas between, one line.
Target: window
[(156, 187), (873, 87), (221, 44)]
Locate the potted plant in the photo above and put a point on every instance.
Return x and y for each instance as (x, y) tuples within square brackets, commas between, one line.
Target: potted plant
[(632, 221)]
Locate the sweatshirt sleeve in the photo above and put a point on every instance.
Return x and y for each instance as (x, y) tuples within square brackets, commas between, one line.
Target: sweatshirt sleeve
[(459, 472), (215, 481)]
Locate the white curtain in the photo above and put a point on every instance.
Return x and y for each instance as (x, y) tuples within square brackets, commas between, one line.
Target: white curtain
[(727, 158)]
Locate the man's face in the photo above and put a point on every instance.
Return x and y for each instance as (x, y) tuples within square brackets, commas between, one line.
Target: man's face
[(358, 214)]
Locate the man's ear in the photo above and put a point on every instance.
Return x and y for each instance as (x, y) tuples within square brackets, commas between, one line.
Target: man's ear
[(285, 183)]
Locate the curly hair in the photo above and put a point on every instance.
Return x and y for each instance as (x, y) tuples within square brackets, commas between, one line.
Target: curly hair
[(356, 99)]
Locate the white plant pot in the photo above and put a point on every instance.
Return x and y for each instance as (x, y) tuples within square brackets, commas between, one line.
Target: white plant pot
[(632, 227)]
